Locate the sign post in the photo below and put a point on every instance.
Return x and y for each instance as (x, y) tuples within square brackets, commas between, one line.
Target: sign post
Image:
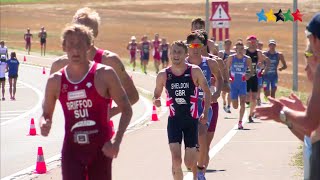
[(220, 20)]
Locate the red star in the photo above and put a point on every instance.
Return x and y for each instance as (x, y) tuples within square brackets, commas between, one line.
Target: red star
[(297, 15)]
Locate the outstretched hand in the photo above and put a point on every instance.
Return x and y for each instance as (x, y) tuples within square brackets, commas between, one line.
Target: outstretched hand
[(293, 102), (110, 149), (270, 112)]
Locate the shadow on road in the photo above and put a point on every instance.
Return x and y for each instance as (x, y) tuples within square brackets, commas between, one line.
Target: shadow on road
[(214, 170)]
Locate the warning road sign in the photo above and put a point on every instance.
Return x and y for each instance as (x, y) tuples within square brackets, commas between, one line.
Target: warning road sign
[(220, 11)]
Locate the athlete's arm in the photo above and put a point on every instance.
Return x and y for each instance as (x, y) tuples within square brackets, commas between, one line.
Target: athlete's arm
[(220, 54), (39, 34), (117, 93), (160, 83), (202, 82), (264, 58), (128, 46), (284, 64), (229, 62), (127, 83), (51, 95), (215, 70), (225, 75)]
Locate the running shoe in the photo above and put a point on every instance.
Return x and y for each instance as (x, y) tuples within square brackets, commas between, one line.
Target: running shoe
[(240, 125), (200, 176), (228, 109), (250, 120), (259, 102), (3, 99), (225, 109)]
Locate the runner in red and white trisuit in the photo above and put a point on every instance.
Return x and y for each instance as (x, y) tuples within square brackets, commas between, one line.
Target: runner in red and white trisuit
[(155, 45), (91, 19), (85, 90)]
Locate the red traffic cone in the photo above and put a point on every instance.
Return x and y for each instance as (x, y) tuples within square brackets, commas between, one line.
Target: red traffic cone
[(24, 59), (41, 164), (154, 114), (32, 131), (43, 70)]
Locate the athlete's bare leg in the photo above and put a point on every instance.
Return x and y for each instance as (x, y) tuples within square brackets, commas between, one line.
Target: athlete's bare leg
[(190, 160), (14, 87), (210, 136), (10, 87), (253, 102), (242, 106), (235, 103), (44, 49), (3, 90), (203, 130), (175, 149), (273, 92), (224, 94), (156, 65)]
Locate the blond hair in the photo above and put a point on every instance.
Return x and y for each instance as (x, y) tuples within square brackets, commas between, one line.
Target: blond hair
[(84, 31), (88, 17)]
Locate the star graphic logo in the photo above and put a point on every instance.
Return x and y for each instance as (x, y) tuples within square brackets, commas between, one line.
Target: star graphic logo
[(89, 84), (75, 87), (279, 16), (297, 16), (261, 16), (270, 16), (288, 16)]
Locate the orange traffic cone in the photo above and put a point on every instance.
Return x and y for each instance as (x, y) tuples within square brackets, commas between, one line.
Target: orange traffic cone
[(24, 59), (154, 114), (32, 131), (43, 70), (41, 164)]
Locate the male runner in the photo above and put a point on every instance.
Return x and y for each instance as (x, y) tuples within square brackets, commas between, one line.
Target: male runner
[(164, 51), (199, 23), (271, 77), (132, 47), (43, 40), (181, 81), (3, 49), (238, 64), (260, 68), (91, 19), (84, 89), (3, 70), (224, 54), (27, 37), (144, 47), (214, 87), (13, 68), (155, 45), (196, 42), (252, 83)]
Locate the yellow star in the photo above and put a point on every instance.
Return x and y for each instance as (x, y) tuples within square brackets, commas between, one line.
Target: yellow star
[(270, 16)]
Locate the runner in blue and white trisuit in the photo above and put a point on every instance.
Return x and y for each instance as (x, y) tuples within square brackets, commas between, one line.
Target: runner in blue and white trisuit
[(196, 43), (270, 79), (224, 54), (238, 64)]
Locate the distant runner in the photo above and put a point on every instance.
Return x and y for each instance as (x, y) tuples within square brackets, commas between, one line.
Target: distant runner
[(133, 47), (43, 40), (27, 37)]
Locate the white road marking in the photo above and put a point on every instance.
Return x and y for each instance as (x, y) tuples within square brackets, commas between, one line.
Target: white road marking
[(33, 110), (214, 151)]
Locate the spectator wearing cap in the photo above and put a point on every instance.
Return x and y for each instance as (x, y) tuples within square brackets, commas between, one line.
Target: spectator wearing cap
[(291, 111), (13, 68)]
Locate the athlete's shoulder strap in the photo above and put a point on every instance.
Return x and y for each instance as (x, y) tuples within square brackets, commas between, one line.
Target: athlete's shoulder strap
[(98, 57)]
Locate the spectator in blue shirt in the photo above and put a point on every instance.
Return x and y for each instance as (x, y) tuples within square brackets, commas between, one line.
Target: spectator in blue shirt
[(13, 67)]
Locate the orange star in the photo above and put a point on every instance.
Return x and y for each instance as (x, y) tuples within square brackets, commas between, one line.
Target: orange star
[(297, 15)]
